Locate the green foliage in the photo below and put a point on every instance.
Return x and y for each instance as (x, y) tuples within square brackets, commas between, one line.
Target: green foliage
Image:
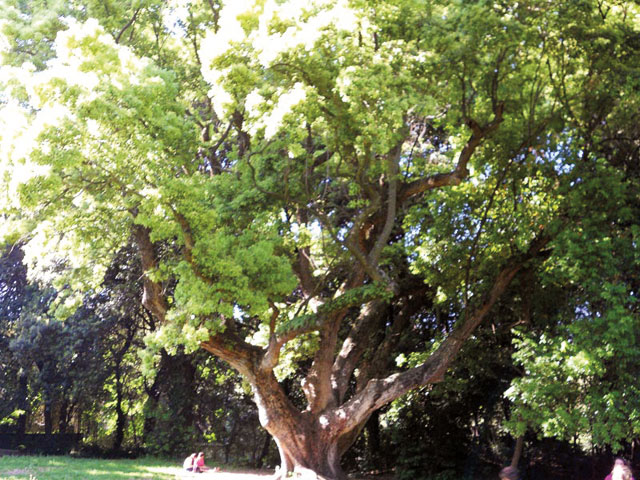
[(580, 364), (260, 144)]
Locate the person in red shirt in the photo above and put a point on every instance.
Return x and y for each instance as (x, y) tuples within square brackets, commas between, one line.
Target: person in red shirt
[(199, 464)]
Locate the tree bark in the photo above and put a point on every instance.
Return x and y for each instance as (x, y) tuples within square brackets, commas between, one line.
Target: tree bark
[(517, 452), (66, 409)]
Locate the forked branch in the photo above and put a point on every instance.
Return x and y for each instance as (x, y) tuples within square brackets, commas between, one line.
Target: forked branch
[(379, 392)]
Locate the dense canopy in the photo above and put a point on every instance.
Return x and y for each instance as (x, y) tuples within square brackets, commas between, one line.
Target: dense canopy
[(340, 193)]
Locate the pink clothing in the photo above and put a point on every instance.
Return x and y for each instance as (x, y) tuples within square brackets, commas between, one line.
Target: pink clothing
[(200, 462)]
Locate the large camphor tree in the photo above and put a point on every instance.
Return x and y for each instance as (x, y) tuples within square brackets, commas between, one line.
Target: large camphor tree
[(336, 193)]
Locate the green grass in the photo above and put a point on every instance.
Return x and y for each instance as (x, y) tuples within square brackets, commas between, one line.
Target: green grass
[(68, 468)]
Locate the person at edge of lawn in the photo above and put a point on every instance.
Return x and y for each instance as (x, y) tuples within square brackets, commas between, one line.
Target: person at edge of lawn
[(189, 462), (620, 471), (200, 467), (509, 473)]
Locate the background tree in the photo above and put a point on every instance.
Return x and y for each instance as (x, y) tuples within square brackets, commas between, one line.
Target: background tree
[(83, 375), (580, 357), (14, 294)]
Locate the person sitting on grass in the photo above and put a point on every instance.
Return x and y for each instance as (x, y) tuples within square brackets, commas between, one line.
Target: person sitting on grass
[(200, 467), (189, 462)]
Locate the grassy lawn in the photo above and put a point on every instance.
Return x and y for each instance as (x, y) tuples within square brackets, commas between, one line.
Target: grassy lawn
[(67, 468)]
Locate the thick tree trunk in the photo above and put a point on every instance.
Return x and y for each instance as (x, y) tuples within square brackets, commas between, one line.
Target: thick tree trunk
[(307, 442), (312, 442), (306, 453)]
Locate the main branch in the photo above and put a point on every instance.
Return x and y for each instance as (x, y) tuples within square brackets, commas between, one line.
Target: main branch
[(379, 392)]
